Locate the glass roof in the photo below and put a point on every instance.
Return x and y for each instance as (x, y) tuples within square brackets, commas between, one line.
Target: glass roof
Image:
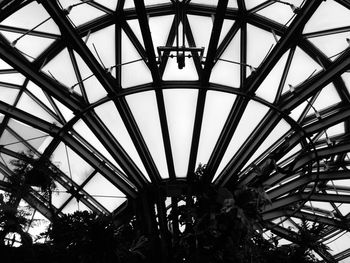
[(120, 96)]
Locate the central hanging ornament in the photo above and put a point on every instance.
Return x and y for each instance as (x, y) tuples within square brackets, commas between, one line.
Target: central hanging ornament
[(180, 50)]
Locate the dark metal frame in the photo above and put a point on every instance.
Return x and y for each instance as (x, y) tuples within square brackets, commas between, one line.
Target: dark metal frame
[(130, 179)]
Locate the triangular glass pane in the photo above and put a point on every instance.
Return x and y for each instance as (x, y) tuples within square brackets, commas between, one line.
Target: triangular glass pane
[(10, 142), (29, 46), (226, 26), (327, 97), (227, 71), (61, 69), (145, 104), (250, 119), (279, 131), (201, 37), (81, 13), (135, 27), (160, 27), (111, 118), (8, 95), (259, 43), (180, 107), (268, 88), (105, 192), (331, 45), (217, 108), (28, 105), (92, 87), (301, 68), (12, 78), (71, 163), (66, 113), (129, 78), (102, 45), (323, 19), (60, 195), (33, 136), (84, 131), (39, 94), (280, 12), (30, 16)]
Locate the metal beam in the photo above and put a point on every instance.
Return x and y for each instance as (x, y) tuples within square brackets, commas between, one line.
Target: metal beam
[(252, 83), (302, 215), (55, 89), (293, 237), (304, 180), (204, 79)]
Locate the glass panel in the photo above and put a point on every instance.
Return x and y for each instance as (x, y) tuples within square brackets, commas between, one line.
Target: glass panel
[(328, 97), (67, 113), (323, 19), (40, 224), (105, 192), (13, 78), (201, 37), (269, 86), (8, 95), (253, 3), (90, 84), (301, 68), (111, 118), (71, 163), (339, 243), (111, 4), (74, 205), (28, 105), (160, 27), (145, 104), (227, 73), (278, 132), (135, 28), (82, 13), (30, 16), (217, 108), (226, 26), (37, 91), (250, 119), (60, 195), (30, 46), (259, 43), (64, 74), (33, 136), (280, 12), (180, 107), (172, 72), (85, 132), (129, 78), (12, 143), (332, 45), (102, 45)]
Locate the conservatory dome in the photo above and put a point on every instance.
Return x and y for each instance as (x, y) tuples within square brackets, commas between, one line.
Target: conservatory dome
[(122, 96)]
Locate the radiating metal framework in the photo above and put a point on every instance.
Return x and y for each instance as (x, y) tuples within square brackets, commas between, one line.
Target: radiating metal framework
[(314, 166)]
